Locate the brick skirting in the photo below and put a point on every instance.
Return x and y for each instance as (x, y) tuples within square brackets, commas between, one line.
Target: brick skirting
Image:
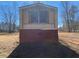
[(36, 35)]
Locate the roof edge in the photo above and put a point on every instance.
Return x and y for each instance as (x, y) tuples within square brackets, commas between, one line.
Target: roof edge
[(26, 6)]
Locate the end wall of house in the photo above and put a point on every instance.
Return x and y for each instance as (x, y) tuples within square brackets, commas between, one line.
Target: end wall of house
[(37, 35)]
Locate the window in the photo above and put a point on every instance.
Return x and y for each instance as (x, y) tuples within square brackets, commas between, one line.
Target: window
[(33, 17), (44, 16), (38, 16)]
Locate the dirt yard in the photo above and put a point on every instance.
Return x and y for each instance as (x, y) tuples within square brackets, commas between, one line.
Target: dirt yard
[(8, 42)]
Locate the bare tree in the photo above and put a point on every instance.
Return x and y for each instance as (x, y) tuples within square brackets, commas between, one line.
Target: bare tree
[(9, 16), (69, 14), (66, 9), (73, 14)]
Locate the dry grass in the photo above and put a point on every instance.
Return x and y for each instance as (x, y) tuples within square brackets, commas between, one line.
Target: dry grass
[(70, 40), (8, 42)]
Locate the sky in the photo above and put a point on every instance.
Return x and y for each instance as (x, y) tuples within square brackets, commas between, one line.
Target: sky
[(23, 3)]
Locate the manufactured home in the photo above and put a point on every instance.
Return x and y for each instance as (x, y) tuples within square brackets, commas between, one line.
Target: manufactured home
[(38, 23)]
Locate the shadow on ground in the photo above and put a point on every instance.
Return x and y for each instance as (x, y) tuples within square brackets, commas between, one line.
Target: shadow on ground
[(42, 50)]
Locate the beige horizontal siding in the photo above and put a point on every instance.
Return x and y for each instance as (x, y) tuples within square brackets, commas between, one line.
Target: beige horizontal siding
[(38, 26)]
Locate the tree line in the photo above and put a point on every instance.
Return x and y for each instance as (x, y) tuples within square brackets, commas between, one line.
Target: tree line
[(70, 17), (8, 18)]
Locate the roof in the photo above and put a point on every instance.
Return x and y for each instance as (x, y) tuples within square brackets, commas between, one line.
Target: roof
[(27, 6)]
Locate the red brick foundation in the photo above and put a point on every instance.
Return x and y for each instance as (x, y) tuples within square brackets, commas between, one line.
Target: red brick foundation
[(36, 35)]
